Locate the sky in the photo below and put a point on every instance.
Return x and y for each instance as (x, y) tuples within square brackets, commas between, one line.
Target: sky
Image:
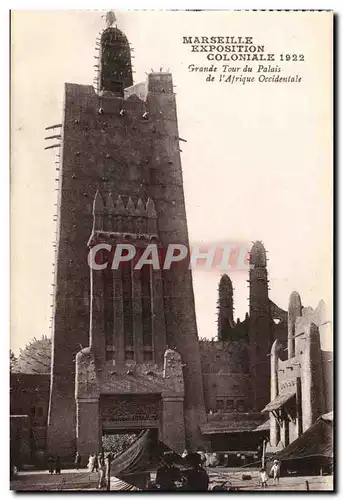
[(257, 163)]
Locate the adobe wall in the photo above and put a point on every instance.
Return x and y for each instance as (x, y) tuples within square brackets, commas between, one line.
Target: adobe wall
[(20, 440), (29, 395), (288, 372), (226, 378)]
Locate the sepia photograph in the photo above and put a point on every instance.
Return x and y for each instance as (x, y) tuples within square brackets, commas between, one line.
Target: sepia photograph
[(171, 206)]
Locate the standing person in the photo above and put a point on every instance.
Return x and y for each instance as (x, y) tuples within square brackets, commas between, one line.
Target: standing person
[(96, 463), (202, 455), (58, 465), (91, 462), (102, 470), (168, 475), (77, 460), (263, 477), (51, 464), (196, 476), (275, 471), (108, 461)]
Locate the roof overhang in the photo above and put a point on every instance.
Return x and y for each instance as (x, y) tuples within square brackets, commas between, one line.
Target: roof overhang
[(230, 427), (279, 401), (263, 427)]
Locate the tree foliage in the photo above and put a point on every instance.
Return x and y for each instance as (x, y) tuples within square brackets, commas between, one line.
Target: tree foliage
[(13, 361), (35, 357), (116, 443)]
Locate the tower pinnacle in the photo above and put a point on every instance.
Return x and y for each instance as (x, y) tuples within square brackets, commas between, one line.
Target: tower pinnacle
[(258, 254), (115, 70), (110, 18)]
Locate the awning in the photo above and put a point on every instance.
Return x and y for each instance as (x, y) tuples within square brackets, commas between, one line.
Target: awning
[(119, 485), (317, 441), (230, 427), (144, 455), (279, 401)]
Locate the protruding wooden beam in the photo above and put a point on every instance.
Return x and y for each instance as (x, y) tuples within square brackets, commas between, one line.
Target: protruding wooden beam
[(57, 136), (53, 126)]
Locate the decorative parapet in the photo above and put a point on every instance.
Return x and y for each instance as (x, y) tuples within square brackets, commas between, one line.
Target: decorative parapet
[(123, 218), (144, 378)]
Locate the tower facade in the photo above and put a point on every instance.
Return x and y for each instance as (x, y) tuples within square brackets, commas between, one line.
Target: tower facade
[(121, 182)]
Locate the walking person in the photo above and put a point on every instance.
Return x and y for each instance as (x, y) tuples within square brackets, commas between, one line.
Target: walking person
[(275, 471), (263, 477), (77, 460)]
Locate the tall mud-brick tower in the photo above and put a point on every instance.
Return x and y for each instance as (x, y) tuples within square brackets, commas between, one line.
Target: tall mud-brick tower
[(260, 326), (125, 346)]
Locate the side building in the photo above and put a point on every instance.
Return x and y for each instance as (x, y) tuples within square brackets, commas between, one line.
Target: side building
[(301, 387), (236, 367), (29, 403)]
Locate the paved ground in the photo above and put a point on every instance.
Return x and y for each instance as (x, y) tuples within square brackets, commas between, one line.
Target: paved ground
[(296, 483), (43, 481), (73, 480)]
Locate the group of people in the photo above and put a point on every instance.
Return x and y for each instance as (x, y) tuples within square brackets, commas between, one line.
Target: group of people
[(54, 465), (274, 472), (96, 463), (193, 477)]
